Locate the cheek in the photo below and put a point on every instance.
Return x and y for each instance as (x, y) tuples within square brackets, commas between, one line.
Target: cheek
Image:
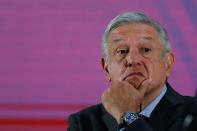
[(116, 71), (148, 66), (155, 68), (159, 71)]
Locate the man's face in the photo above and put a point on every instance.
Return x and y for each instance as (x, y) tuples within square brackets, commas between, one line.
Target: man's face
[(135, 54)]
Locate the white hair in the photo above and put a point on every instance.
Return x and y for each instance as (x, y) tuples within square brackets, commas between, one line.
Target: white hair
[(135, 17)]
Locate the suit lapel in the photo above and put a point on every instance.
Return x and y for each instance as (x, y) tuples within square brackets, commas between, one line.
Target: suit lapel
[(165, 112)]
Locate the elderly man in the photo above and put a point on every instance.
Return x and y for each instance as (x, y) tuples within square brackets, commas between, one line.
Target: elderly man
[(137, 60)]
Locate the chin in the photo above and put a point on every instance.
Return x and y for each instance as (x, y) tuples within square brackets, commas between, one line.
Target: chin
[(135, 82), (136, 86)]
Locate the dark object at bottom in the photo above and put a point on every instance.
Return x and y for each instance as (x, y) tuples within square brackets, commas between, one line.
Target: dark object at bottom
[(190, 120)]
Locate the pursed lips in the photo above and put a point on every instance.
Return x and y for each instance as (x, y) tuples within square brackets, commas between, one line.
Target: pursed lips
[(133, 74)]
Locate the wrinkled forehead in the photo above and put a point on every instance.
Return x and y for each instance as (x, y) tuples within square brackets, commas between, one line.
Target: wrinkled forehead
[(117, 25), (127, 32)]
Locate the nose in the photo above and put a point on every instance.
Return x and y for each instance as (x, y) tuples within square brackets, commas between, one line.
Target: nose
[(133, 59)]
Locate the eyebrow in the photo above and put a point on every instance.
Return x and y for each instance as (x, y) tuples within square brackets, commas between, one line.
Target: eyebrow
[(117, 40), (142, 38), (146, 38)]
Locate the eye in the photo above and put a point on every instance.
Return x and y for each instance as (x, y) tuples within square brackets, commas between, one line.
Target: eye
[(146, 50), (122, 51)]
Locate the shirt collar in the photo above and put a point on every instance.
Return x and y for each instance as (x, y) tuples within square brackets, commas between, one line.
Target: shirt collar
[(149, 109)]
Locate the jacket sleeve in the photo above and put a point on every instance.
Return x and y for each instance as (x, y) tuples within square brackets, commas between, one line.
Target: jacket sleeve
[(72, 123), (138, 125)]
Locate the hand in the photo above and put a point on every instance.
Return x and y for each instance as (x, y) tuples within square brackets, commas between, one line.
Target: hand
[(123, 97)]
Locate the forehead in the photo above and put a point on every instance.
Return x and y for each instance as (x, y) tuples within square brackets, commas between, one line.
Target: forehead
[(133, 31)]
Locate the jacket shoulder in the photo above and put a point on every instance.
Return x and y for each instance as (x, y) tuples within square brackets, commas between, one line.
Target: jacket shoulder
[(86, 118)]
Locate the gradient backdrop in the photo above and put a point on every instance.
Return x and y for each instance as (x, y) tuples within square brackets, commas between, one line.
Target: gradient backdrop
[(50, 51)]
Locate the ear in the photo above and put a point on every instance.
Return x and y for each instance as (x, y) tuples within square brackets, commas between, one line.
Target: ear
[(170, 59), (105, 68)]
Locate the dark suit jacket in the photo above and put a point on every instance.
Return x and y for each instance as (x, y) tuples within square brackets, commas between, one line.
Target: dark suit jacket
[(167, 116)]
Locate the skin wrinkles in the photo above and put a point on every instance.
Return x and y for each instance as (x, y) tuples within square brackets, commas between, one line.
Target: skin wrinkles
[(121, 43), (145, 65)]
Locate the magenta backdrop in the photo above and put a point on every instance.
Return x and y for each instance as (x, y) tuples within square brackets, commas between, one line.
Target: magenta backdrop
[(50, 54)]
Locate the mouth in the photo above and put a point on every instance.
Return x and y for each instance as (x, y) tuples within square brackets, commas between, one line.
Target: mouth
[(134, 74)]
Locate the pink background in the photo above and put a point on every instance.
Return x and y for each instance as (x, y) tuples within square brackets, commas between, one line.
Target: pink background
[(50, 55)]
